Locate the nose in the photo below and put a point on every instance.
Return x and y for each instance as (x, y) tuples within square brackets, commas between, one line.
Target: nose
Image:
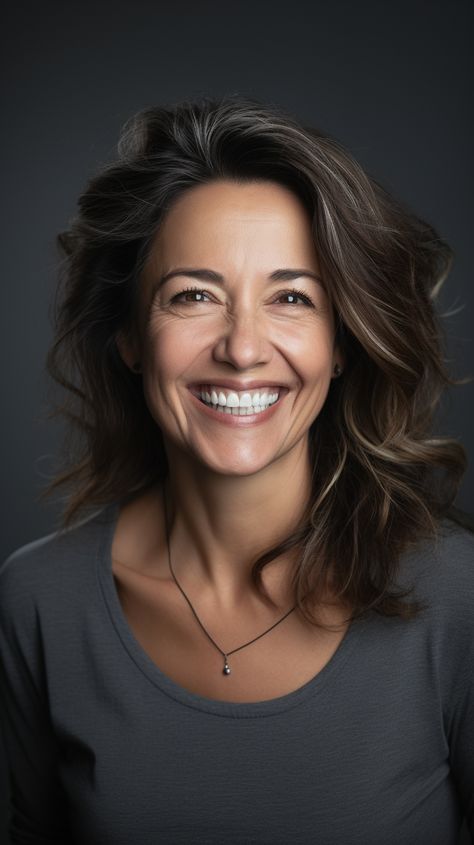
[(243, 342)]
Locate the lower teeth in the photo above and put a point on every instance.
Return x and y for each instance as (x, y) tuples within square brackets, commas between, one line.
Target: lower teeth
[(237, 412)]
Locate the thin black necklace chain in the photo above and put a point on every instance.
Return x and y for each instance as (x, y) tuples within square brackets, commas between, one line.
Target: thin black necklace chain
[(226, 670)]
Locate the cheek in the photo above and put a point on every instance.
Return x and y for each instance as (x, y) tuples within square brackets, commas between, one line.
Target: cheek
[(169, 351), (312, 353)]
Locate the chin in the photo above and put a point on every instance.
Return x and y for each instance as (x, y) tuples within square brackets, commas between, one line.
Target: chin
[(236, 468)]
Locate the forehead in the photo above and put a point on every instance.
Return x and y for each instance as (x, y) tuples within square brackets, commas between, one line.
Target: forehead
[(230, 218)]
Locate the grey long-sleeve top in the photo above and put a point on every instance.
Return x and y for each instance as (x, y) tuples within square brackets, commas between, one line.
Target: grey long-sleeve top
[(104, 749)]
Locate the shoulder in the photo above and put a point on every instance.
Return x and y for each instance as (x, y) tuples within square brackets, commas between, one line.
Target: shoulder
[(440, 573), (445, 564), (442, 566), (45, 570)]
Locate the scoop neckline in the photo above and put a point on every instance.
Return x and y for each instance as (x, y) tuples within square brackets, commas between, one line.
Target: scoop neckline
[(268, 707)]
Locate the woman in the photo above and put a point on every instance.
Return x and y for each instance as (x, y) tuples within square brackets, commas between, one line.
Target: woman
[(222, 652)]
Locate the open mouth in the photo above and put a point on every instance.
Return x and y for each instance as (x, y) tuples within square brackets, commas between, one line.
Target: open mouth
[(253, 404), (237, 411), (255, 401)]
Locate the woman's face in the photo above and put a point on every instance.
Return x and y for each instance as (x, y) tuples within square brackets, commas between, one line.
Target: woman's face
[(240, 325)]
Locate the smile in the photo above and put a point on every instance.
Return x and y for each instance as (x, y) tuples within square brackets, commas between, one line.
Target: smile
[(235, 413), (241, 403)]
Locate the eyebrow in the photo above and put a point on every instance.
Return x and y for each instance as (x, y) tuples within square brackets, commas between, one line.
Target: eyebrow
[(282, 275)]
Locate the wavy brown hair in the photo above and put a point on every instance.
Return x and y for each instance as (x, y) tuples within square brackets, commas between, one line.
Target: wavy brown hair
[(382, 482)]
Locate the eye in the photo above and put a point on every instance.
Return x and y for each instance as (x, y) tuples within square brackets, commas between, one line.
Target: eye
[(299, 294), (296, 294), (189, 290)]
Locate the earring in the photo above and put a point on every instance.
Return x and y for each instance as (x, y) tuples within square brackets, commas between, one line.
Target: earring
[(137, 367), (337, 370)]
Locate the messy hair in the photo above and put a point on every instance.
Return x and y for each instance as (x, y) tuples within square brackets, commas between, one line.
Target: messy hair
[(381, 481)]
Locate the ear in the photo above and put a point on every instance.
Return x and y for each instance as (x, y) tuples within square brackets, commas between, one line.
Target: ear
[(338, 354), (128, 349), (338, 358)]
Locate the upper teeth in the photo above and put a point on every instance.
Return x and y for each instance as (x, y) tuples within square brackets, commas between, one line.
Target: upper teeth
[(233, 399)]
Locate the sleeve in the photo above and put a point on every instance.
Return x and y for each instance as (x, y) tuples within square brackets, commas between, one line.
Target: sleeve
[(459, 663), (461, 741), (38, 805)]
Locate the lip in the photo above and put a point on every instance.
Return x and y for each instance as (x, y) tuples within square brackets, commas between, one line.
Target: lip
[(230, 419)]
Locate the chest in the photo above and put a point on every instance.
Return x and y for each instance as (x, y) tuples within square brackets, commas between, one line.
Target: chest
[(277, 662), (361, 757)]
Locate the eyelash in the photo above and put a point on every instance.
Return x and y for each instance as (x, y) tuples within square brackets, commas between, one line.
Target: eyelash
[(304, 296)]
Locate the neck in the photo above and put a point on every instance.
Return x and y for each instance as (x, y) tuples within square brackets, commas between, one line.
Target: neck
[(218, 524)]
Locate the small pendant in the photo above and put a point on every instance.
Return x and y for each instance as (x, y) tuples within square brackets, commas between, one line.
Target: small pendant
[(226, 670)]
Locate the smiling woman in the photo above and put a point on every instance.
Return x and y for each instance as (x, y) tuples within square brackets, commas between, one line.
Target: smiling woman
[(247, 336), (243, 324)]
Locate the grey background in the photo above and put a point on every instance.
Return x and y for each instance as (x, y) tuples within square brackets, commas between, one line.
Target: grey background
[(390, 81)]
